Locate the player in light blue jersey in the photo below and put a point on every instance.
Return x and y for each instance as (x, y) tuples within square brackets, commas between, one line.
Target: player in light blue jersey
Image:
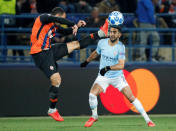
[(112, 62)]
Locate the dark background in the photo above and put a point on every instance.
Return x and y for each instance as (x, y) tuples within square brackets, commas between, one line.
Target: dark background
[(24, 90)]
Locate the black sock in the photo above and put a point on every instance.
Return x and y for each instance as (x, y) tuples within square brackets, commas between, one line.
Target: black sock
[(53, 94), (52, 105), (88, 40)]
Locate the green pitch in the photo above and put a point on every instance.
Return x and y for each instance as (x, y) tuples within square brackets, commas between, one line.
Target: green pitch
[(105, 123)]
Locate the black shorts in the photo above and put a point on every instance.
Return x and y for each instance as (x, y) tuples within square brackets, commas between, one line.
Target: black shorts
[(46, 60)]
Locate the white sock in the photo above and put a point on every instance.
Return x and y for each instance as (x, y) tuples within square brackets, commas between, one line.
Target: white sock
[(140, 109), (93, 105), (52, 110)]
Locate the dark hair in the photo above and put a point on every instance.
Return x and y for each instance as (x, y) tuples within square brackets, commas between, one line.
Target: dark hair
[(57, 10), (117, 27)]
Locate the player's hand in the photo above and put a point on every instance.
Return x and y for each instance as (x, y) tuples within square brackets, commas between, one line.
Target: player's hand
[(104, 70), (75, 29), (84, 64), (81, 23)]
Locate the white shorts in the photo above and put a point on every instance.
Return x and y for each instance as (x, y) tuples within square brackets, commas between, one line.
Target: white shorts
[(118, 82)]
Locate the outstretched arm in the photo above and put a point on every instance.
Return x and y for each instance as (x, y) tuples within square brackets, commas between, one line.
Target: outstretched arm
[(65, 31), (80, 23), (93, 55), (47, 18), (71, 30)]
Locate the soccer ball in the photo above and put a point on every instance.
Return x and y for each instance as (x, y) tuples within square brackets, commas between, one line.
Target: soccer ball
[(115, 18)]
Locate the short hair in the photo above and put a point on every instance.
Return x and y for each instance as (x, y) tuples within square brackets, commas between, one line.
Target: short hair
[(57, 10), (95, 9), (117, 27)]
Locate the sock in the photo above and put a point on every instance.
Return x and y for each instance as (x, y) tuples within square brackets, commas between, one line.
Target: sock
[(93, 105), (88, 40), (53, 94), (140, 109), (52, 110)]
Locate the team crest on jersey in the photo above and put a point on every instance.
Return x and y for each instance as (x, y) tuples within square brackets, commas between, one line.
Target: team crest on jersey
[(115, 53), (51, 68)]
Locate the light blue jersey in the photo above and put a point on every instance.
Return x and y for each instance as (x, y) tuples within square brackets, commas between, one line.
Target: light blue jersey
[(110, 55)]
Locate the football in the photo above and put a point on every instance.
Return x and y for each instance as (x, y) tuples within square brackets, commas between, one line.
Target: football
[(115, 18)]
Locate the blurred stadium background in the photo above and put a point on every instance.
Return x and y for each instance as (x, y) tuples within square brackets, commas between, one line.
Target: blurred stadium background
[(23, 86)]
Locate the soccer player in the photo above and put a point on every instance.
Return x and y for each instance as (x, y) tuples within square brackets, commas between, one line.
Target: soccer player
[(112, 62), (45, 55)]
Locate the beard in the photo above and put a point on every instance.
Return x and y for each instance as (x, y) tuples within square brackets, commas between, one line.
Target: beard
[(113, 40)]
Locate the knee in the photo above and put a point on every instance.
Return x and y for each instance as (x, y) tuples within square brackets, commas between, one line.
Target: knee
[(128, 94), (96, 90), (55, 80)]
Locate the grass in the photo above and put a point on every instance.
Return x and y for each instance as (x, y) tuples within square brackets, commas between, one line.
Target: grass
[(105, 123)]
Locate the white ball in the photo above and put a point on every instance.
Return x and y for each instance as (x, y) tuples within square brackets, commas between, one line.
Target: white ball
[(115, 18)]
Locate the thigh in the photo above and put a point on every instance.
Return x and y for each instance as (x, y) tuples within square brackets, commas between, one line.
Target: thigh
[(102, 82), (45, 62), (73, 45), (96, 89), (119, 82), (59, 50), (143, 37)]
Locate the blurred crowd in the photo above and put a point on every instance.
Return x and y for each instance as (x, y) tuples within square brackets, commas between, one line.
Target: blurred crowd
[(144, 11)]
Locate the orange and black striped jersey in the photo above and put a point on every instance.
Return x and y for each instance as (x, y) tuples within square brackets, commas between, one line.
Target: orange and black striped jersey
[(44, 29)]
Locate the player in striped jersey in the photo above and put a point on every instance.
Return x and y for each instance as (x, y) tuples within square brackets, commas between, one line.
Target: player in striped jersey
[(45, 55)]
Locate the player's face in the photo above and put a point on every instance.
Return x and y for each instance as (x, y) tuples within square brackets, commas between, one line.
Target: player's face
[(114, 34), (64, 15)]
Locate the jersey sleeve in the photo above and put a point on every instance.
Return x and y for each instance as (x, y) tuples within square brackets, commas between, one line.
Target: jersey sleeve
[(98, 49), (48, 18), (65, 31), (122, 53)]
